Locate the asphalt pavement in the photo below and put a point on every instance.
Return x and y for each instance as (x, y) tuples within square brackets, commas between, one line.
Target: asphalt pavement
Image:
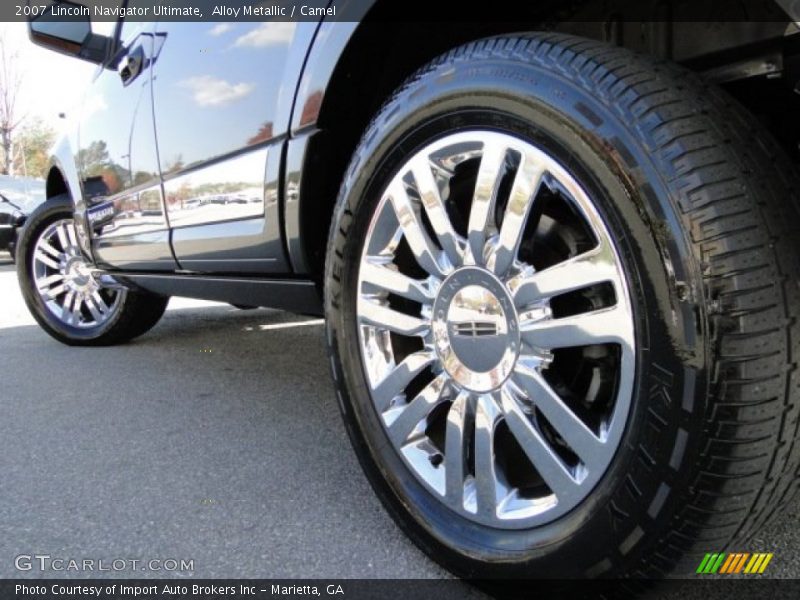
[(214, 438)]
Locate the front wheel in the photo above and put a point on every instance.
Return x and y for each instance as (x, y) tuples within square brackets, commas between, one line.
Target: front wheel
[(561, 308), (63, 294)]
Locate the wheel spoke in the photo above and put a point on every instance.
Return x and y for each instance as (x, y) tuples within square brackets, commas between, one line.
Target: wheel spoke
[(398, 379), (484, 198), (541, 455), (96, 314), (53, 293), (487, 416), (63, 236), (455, 455), (45, 246), (582, 271), (393, 281), (417, 410), (47, 260), (603, 326), (434, 207), (578, 436), (523, 192), (99, 302), (384, 317), (66, 310), (77, 317), (418, 240), (44, 284), (94, 308), (71, 234)]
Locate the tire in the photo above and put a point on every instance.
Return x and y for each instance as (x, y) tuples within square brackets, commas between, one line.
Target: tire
[(700, 205), (129, 313)]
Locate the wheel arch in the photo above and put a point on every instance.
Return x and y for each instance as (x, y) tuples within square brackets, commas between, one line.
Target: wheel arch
[(55, 184), (351, 70), (355, 64), (63, 180)]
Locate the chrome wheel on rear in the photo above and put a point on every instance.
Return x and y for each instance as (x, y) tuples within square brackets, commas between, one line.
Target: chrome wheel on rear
[(66, 284), (496, 329)]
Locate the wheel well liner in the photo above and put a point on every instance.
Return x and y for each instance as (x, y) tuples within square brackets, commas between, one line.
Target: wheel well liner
[(55, 184)]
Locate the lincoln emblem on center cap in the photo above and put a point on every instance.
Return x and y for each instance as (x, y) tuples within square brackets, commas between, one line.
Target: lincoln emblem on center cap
[(475, 328)]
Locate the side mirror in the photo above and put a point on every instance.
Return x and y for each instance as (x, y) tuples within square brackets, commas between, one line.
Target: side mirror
[(65, 27)]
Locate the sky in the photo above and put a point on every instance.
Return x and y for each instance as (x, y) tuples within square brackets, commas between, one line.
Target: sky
[(52, 83)]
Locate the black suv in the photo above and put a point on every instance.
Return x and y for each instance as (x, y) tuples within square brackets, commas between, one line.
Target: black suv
[(559, 268)]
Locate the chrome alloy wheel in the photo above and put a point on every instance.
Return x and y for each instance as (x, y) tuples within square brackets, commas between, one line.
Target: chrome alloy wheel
[(496, 329), (65, 283)]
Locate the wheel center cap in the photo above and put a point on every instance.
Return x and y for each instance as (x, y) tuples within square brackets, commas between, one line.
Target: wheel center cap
[(475, 329), (77, 273)]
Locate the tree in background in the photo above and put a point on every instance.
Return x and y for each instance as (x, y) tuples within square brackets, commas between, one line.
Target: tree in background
[(94, 158), (32, 148), (10, 83)]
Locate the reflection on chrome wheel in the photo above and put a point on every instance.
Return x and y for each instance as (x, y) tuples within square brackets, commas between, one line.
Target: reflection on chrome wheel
[(65, 282), (496, 329)]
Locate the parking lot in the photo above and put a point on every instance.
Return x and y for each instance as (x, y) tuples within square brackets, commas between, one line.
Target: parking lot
[(214, 438)]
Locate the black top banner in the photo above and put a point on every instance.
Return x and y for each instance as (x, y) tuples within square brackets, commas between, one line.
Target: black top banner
[(449, 11)]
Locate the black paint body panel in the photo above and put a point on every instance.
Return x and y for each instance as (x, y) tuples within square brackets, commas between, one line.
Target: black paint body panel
[(297, 296)]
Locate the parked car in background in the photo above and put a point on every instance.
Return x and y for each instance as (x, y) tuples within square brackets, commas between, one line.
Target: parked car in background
[(18, 198), (559, 268)]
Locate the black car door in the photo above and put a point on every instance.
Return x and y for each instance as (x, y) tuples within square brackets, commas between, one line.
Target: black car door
[(222, 95), (118, 159)]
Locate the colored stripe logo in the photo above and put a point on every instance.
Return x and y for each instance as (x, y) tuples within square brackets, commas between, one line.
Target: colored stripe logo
[(734, 562)]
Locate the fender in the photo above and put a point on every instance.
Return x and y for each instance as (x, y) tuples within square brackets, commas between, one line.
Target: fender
[(327, 48), (62, 163)]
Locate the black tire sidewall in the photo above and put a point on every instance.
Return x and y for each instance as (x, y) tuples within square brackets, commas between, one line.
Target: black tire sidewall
[(606, 531)]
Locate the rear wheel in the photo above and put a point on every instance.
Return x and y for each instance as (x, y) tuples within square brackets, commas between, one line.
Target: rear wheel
[(561, 312), (66, 298)]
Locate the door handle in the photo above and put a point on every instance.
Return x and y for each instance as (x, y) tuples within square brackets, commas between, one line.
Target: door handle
[(131, 65)]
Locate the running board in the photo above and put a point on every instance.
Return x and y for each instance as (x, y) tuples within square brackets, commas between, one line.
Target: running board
[(297, 296)]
